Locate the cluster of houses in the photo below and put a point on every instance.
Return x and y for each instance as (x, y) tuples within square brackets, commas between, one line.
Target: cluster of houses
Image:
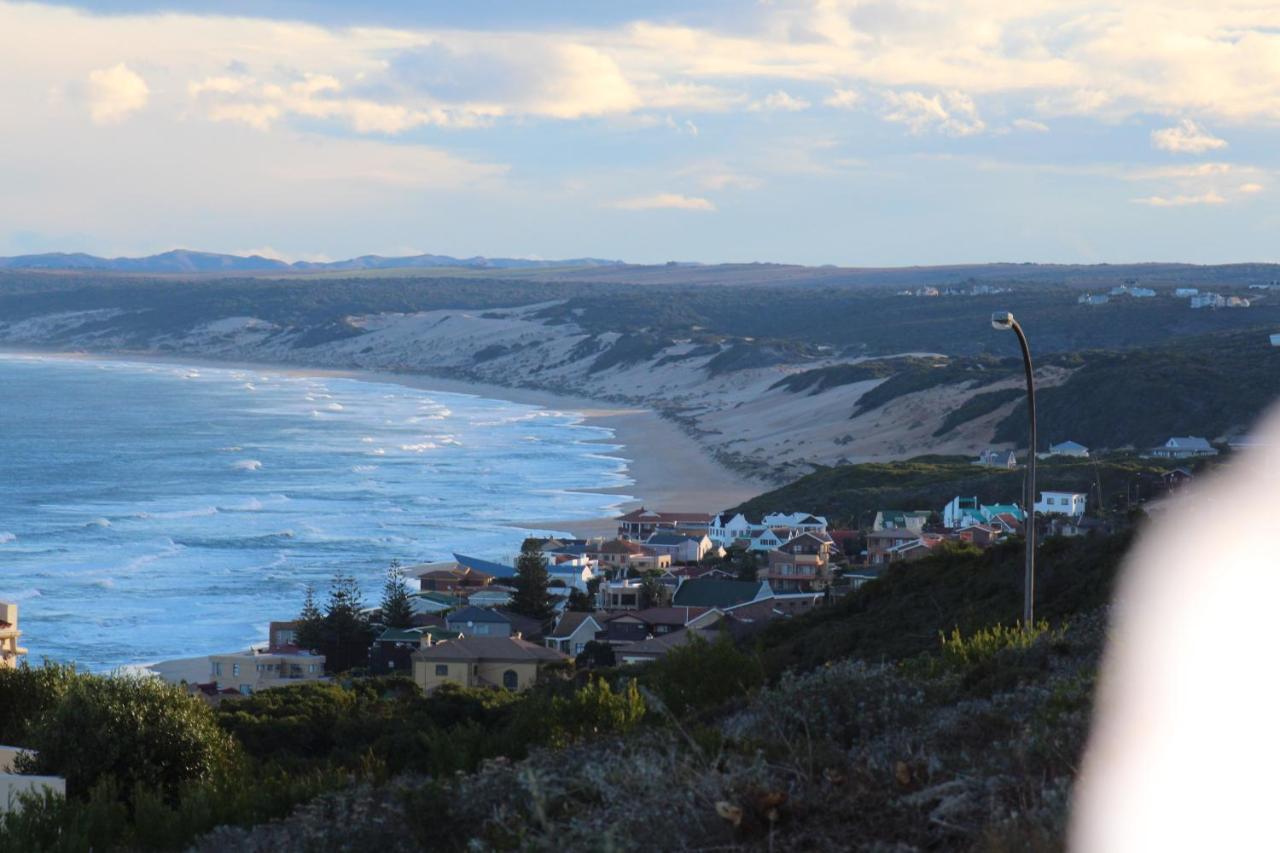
[(1195, 298), (1176, 447)]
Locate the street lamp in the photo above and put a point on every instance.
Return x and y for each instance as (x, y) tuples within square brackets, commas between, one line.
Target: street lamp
[(1004, 320)]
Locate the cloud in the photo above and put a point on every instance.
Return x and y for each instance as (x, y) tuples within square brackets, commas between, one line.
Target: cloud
[(1186, 137), (951, 113), (843, 99), (780, 100), (665, 201), (1209, 197), (115, 92), (1250, 188), (1030, 125), (729, 180)]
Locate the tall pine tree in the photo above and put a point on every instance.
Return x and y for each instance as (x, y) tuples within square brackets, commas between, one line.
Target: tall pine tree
[(532, 582), (310, 633), (397, 612)]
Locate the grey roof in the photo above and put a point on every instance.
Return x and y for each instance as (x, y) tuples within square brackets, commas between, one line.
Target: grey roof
[(670, 539), (487, 648), (1189, 442), (476, 614), (713, 592), (571, 621)]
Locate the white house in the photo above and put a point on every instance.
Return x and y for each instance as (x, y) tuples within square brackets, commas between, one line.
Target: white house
[(572, 632), (1186, 292), (898, 519), (764, 539), (1068, 448), (1183, 447), (1208, 300), (1061, 503), (961, 512), (683, 547), (1094, 299), (997, 459), (725, 531), (800, 522), (574, 574)]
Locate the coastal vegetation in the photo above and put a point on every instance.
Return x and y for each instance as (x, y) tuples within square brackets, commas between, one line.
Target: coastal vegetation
[(866, 722), (850, 495)]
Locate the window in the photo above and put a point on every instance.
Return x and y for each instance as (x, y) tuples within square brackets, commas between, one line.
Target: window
[(235, 669), (442, 669), (217, 669), (510, 680), (246, 689), (578, 647)]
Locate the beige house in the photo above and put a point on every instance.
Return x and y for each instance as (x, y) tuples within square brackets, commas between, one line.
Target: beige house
[(256, 670), (10, 651), (482, 662)]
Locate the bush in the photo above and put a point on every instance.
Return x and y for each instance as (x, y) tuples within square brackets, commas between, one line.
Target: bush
[(700, 675), (136, 730), (27, 694)]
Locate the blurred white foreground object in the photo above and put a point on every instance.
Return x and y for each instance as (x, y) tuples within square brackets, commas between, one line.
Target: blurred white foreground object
[(1185, 748)]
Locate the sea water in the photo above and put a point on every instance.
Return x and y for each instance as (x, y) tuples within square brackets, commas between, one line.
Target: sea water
[(154, 511)]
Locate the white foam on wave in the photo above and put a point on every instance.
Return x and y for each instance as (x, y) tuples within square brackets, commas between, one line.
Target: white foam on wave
[(419, 448), (251, 505), (98, 522), (22, 595), (364, 469), (6, 536), (247, 465), (196, 512), (366, 439), (335, 407), (104, 583)]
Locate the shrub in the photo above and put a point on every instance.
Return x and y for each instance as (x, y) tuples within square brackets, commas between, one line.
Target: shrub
[(139, 731), (700, 675)]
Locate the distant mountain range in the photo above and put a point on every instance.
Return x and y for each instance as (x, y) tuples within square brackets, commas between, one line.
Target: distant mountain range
[(185, 261)]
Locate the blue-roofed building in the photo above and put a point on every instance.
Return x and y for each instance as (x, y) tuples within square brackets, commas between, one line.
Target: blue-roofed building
[(498, 570)]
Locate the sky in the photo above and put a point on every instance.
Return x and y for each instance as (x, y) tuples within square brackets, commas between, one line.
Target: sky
[(876, 133)]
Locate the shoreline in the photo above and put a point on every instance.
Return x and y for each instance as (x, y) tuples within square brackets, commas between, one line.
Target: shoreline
[(668, 468)]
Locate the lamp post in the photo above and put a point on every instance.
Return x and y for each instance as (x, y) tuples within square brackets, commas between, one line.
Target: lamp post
[(1004, 320)]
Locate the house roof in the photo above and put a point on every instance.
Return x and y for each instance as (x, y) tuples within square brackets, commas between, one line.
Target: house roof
[(669, 615), (787, 547), (487, 648), (438, 598), (570, 622), (713, 592), (658, 646), (1068, 445), (643, 515), (620, 546), (666, 538), (400, 635), (1188, 442), (498, 570), (477, 614)]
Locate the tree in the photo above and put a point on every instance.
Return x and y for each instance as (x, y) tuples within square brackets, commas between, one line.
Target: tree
[(532, 583), (397, 612), (310, 631), (347, 632), (652, 591), (748, 566), (580, 602), (342, 634), (138, 730)]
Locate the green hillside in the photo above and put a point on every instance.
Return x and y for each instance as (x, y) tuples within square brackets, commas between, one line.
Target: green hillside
[(1206, 386), (853, 493)]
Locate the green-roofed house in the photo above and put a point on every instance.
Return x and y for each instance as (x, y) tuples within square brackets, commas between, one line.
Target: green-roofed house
[(901, 519), (433, 602), (745, 599)]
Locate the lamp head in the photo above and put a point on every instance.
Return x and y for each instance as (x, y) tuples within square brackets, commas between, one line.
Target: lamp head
[(1002, 320), (1275, 340)]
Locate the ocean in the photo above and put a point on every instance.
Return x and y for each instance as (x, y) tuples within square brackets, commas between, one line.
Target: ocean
[(154, 511)]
